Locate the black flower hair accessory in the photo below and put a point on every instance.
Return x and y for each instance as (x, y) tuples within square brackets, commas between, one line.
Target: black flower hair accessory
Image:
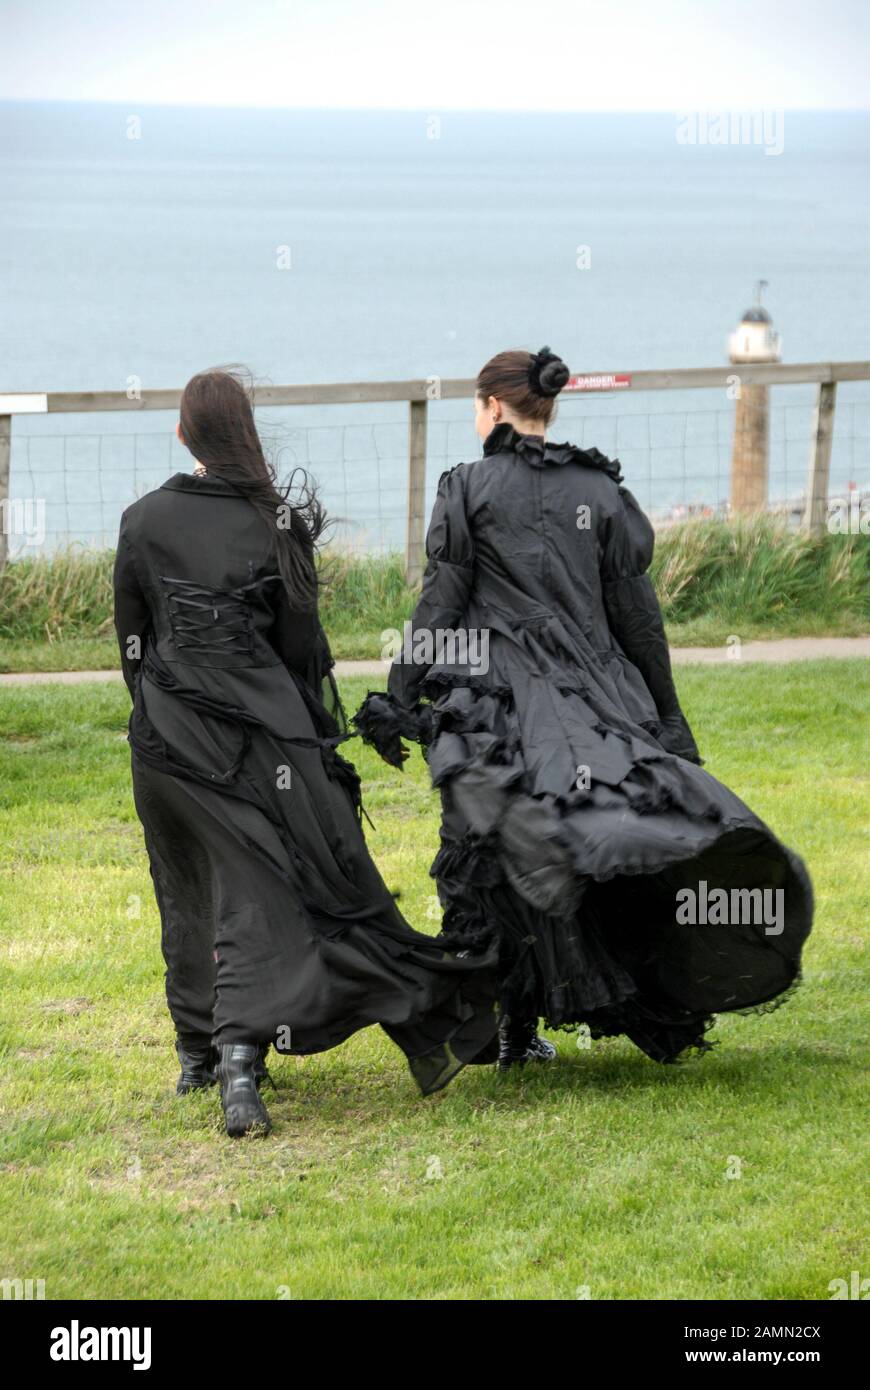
[(547, 373)]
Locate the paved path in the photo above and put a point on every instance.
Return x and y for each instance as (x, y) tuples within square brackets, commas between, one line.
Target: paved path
[(786, 649)]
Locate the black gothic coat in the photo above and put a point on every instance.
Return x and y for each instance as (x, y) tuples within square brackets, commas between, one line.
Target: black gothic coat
[(575, 808), (276, 925)]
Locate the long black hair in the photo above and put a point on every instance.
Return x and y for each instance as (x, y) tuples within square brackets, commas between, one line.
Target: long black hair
[(217, 425)]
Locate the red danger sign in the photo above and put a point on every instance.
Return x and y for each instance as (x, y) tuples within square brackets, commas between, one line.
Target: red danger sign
[(604, 381)]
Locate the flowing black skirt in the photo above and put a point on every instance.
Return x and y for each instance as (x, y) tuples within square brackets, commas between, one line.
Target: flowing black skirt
[(276, 925), (624, 888)]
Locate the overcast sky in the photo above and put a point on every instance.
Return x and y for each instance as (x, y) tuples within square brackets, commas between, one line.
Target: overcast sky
[(558, 55)]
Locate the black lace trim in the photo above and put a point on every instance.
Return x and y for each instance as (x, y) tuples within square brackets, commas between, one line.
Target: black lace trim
[(535, 450)]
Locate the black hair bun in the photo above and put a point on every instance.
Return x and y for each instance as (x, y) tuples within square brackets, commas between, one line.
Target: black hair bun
[(547, 373)]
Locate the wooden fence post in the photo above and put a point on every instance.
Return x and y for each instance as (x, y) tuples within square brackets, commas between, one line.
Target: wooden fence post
[(816, 514), (415, 533), (5, 519)]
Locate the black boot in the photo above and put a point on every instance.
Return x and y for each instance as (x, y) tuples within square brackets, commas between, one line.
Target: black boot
[(244, 1112), (518, 1043), (198, 1066), (261, 1071)]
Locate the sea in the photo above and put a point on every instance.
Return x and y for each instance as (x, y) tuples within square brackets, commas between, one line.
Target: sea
[(139, 245)]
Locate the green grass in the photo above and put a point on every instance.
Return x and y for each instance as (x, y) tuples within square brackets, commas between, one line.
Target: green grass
[(755, 579), (601, 1171)]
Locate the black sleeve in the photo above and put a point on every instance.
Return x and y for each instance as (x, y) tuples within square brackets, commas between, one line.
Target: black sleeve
[(635, 617), (446, 582), (132, 614), (293, 634), (319, 675), (300, 641)]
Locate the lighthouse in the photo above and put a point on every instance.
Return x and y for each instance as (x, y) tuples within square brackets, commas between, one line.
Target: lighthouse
[(753, 340)]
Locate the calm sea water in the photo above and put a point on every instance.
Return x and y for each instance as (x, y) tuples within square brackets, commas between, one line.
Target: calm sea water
[(319, 246)]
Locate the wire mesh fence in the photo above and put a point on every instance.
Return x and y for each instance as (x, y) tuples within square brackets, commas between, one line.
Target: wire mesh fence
[(71, 476)]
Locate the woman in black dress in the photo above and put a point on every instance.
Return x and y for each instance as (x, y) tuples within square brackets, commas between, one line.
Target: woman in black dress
[(624, 887), (276, 925)]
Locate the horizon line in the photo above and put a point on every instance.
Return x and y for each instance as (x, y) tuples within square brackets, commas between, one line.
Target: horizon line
[(434, 109)]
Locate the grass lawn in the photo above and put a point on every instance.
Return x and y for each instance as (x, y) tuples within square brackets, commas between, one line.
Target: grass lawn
[(602, 1175)]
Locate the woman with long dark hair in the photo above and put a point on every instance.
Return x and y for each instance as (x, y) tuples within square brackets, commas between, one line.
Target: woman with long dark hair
[(623, 887), (276, 926)]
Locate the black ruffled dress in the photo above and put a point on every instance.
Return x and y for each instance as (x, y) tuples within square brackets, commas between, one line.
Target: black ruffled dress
[(622, 885), (276, 925)]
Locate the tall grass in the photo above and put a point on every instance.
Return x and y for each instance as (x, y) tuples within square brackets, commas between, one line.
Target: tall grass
[(363, 594), (750, 573), (757, 570), (69, 596)]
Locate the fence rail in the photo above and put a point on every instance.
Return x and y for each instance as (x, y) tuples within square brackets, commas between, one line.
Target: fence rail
[(420, 392)]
